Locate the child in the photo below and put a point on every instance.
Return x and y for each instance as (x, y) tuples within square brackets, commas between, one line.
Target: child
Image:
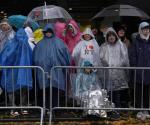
[(88, 90), (86, 49)]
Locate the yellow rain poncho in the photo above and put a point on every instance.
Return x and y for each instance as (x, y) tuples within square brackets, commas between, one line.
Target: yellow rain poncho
[(38, 35)]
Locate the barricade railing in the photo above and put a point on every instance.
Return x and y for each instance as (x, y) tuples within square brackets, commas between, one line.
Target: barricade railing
[(19, 88), (64, 78)]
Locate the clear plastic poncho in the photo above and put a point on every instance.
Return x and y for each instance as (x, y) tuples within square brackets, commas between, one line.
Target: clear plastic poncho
[(115, 55), (88, 92), (5, 35)]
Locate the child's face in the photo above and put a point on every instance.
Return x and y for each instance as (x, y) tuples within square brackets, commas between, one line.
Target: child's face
[(87, 37)]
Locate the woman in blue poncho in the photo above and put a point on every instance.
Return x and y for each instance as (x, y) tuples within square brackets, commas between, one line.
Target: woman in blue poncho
[(49, 52), (16, 52)]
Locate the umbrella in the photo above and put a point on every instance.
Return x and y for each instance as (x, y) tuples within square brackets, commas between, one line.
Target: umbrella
[(19, 21), (49, 12), (121, 10)]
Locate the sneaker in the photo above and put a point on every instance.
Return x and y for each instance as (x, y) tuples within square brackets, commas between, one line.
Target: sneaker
[(24, 112), (14, 113), (113, 115), (103, 114), (147, 115), (141, 116), (124, 114)]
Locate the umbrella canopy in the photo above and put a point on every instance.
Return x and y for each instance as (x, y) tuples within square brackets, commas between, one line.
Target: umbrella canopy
[(49, 12), (19, 21), (121, 10)]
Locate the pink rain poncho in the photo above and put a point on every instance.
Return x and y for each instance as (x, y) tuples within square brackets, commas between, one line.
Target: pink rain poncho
[(69, 33), (72, 35), (60, 30)]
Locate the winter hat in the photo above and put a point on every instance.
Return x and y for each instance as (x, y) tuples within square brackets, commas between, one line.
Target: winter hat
[(87, 63), (144, 25)]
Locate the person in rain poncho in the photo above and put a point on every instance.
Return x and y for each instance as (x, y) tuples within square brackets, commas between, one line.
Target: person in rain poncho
[(60, 30), (113, 53), (88, 90), (17, 52), (121, 31), (72, 35), (140, 57), (86, 49), (86, 79), (49, 52), (6, 33), (38, 35)]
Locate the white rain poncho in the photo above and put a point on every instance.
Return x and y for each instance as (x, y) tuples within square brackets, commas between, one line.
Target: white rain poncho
[(30, 35), (114, 55), (86, 50)]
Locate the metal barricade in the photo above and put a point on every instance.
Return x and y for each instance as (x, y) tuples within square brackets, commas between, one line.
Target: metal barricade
[(20, 87), (135, 76)]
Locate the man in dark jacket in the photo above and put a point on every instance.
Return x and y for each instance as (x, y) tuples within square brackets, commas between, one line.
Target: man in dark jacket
[(140, 57)]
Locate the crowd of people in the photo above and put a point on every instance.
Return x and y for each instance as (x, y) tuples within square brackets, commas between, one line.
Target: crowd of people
[(63, 44)]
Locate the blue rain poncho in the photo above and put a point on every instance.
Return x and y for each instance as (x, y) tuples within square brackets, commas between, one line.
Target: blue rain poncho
[(86, 81), (88, 90), (49, 52), (16, 52)]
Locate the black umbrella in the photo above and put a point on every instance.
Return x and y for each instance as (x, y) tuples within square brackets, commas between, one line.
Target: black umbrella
[(121, 10)]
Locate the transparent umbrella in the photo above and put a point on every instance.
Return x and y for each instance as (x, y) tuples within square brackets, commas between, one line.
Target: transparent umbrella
[(49, 13)]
